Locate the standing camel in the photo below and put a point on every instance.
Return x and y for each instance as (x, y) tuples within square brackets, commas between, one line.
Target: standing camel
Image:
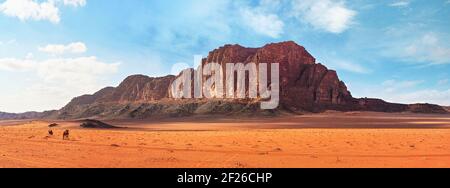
[(66, 135)]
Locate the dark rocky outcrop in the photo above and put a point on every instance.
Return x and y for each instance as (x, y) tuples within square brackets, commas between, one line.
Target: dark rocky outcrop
[(53, 125), (427, 108), (95, 124)]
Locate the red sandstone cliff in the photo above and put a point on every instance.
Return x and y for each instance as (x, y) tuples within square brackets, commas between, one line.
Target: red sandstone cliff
[(304, 84)]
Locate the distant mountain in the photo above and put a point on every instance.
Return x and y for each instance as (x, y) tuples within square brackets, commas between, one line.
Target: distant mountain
[(26, 115), (305, 86)]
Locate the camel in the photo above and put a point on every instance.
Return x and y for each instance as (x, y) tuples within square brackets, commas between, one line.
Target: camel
[(66, 135), (50, 132)]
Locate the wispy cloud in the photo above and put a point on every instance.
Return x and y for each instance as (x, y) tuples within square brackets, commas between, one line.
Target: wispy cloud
[(75, 3), (262, 22), (76, 47), (9, 42), (346, 65), (402, 3), (16, 65), (395, 85), (415, 44), (428, 49), (443, 82), (331, 16)]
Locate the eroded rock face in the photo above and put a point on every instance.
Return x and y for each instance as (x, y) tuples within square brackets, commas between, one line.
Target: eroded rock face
[(304, 85), (139, 88), (136, 88), (89, 99)]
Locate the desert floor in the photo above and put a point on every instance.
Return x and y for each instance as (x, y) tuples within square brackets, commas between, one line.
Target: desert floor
[(316, 140)]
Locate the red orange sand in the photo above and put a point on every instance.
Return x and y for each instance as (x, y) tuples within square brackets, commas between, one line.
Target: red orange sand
[(318, 140)]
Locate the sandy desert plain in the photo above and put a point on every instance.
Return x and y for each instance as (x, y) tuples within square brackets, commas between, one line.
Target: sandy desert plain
[(331, 139)]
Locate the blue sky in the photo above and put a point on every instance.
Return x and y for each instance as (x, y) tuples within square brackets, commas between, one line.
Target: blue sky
[(53, 50)]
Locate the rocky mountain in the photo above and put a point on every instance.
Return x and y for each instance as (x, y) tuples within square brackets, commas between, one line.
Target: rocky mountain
[(305, 86), (136, 88)]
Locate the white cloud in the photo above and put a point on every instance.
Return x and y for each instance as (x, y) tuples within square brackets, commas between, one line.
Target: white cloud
[(8, 43), (36, 10), (75, 3), (76, 47), (414, 43), (29, 9), (74, 68), (263, 18), (402, 3), (394, 85), (57, 80), (262, 23), (427, 49), (16, 65), (59, 67), (347, 66), (328, 15)]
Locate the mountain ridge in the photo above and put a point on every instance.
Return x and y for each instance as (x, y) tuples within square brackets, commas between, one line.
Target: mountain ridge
[(305, 86)]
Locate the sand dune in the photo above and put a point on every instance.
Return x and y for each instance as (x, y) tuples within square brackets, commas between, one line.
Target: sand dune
[(316, 140)]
